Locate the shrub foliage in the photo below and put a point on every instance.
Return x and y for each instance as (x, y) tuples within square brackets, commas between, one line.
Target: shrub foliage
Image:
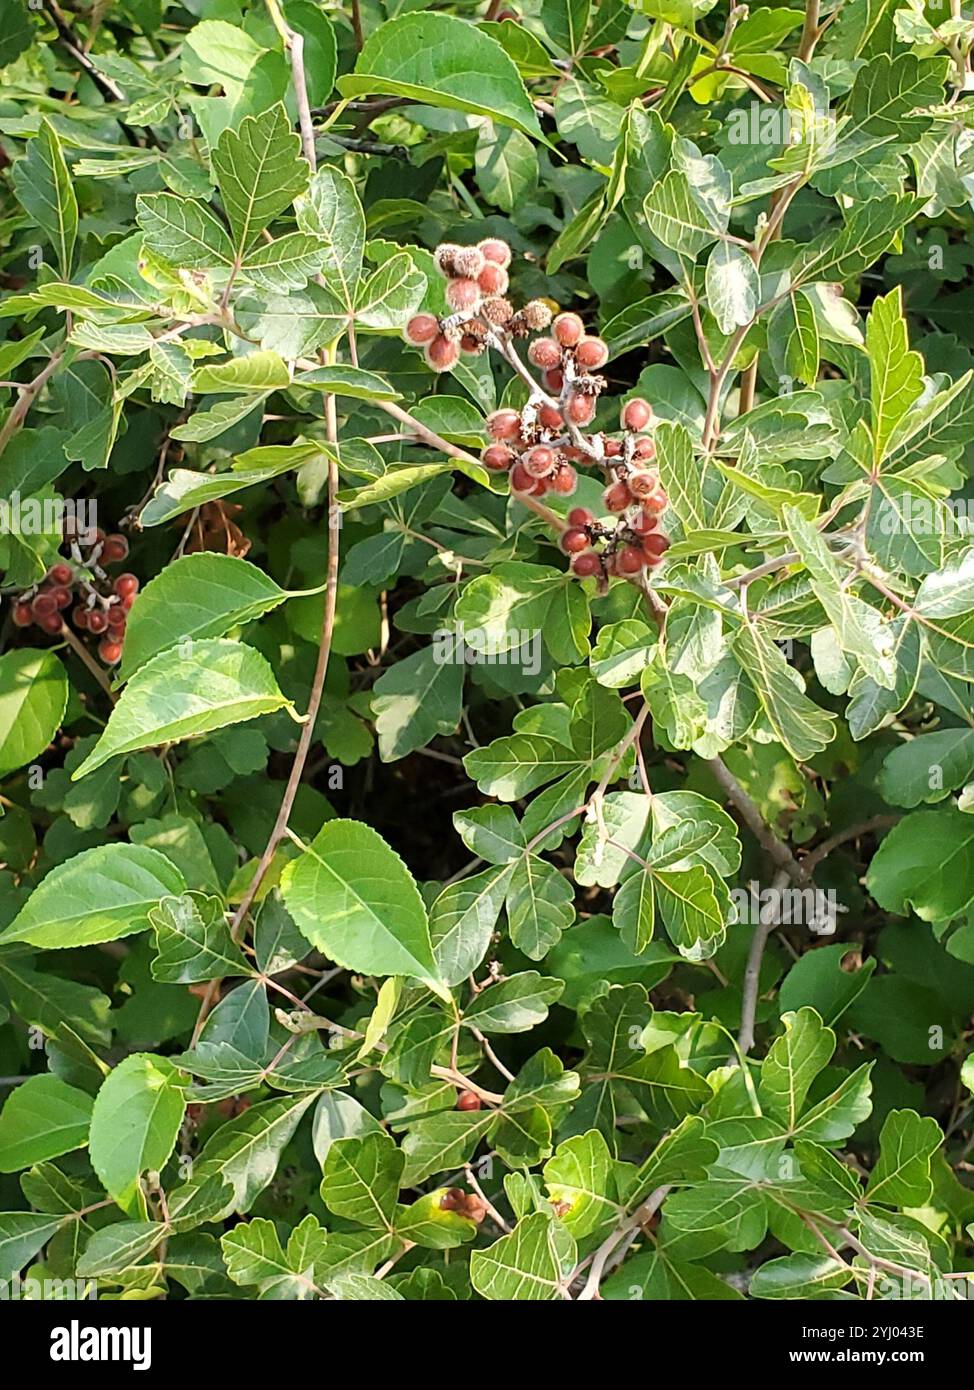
[(486, 711)]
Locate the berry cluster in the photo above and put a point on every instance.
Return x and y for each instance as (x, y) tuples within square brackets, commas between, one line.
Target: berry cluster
[(540, 445), (101, 605)]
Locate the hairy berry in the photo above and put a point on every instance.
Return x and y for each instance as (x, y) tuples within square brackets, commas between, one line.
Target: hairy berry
[(44, 604), (612, 448), (97, 620), (468, 1100), (553, 380), (51, 622), (568, 329), (442, 354), (126, 584), (109, 651), (493, 279), (468, 261), (591, 353), (493, 249), (656, 501), (117, 617), (496, 457), (463, 295), (586, 565), (642, 483), (539, 461), (545, 352), (655, 545), (61, 574), (573, 540), (580, 516), (581, 409), (550, 417), (630, 560), (504, 424), (422, 329), (521, 479), (645, 449), (79, 616), (643, 523), (564, 481), (61, 596), (23, 614), (636, 414), (617, 497)]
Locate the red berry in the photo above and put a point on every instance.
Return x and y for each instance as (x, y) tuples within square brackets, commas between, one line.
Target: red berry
[(568, 329), (645, 449), (468, 1100), (643, 523), (591, 353), (656, 501), (127, 601), (62, 597), (580, 516), (442, 354), (630, 560), (23, 614), (539, 461), (545, 352), (573, 540), (636, 414), (504, 424), (586, 565), (581, 409), (44, 604), (617, 497), (80, 617), (521, 479), (97, 620), (61, 574), (126, 584), (612, 448), (655, 546), (550, 418), (421, 329), (109, 651), (117, 617), (115, 548), (642, 483), (463, 295), (493, 249), (564, 481), (51, 622), (493, 279), (468, 343), (553, 380), (497, 456)]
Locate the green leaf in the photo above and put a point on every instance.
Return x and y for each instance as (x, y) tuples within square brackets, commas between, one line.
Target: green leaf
[(99, 895), (577, 1177), (134, 1125), (416, 699), (330, 210), (193, 941), (361, 1178), (925, 863), (793, 1063), (42, 1118), (192, 689), (732, 287), (254, 1255), (532, 1263), (22, 1235), (259, 172), (183, 232), (800, 725), (513, 1006), (902, 1176), (896, 373), (353, 898), (33, 697), (438, 60), (43, 185), (195, 597)]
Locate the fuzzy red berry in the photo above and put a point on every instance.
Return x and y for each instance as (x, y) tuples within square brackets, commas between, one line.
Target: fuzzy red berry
[(581, 409), (539, 461), (61, 574), (636, 414), (574, 540), (422, 329), (61, 596), (642, 483), (550, 418), (655, 546), (468, 262), (51, 622), (116, 548), (79, 617), (521, 479), (564, 480), (128, 601), (580, 516), (442, 353), (23, 614), (617, 497), (645, 449), (545, 352), (43, 605), (496, 457), (493, 249), (468, 1100), (586, 565), (463, 295), (568, 329), (117, 617), (591, 353), (612, 448), (656, 501), (97, 620), (553, 380), (126, 584), (630, 559), (643, 523), (493, 279), (109, 651), (504, 424)]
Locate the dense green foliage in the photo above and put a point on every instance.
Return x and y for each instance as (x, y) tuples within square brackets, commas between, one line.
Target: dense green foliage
[(391, 906)]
